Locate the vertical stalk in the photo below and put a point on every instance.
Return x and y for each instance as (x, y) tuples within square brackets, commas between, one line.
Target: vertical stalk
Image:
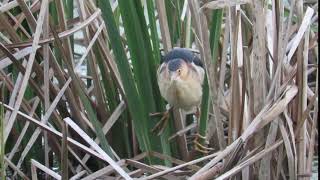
[(204, 110), (2, 143)]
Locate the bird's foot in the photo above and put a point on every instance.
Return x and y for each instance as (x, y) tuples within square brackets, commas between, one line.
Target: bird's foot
[(197, 113), (159, 127), (198, 146)]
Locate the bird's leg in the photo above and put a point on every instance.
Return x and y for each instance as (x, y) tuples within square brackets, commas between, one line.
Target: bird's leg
[(198, 146), (159, 127), (197, 114)]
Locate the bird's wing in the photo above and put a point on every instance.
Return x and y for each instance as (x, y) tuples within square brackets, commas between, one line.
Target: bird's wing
[(163, 80), (200, 72), (161, 69)]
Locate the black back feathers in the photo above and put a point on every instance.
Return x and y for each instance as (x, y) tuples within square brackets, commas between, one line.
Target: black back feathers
[(184, 54)]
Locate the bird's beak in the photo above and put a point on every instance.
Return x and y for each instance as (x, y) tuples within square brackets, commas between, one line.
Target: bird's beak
[(174, 76)]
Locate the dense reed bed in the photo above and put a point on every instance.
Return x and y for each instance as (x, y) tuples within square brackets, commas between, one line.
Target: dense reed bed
[(78, 84)]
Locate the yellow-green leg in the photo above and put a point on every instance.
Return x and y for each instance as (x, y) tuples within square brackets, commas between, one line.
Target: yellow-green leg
[(198, 146), (159, 127)]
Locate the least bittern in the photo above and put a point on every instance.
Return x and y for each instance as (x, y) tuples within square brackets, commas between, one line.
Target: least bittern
[(180, 78)]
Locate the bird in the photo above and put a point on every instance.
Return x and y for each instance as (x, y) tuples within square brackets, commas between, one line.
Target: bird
[(180, 78)]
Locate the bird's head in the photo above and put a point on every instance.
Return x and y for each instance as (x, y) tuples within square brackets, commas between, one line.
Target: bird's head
[(180, 65), (177, 69)]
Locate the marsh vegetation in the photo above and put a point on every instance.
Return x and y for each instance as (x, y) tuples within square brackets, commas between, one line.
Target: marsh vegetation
[(78, 83)]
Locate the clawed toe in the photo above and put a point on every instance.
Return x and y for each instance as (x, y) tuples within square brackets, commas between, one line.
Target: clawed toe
[(159, 127), (198, 146)]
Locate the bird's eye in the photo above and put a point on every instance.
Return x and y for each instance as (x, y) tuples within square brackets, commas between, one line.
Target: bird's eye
[(179, 71)]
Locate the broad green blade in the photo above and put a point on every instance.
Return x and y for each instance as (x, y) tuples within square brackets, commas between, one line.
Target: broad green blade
[(138, 113)]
